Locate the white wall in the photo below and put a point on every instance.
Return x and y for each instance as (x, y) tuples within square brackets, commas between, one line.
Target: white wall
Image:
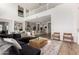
[(77, 22), (9, 12), (63, 20)]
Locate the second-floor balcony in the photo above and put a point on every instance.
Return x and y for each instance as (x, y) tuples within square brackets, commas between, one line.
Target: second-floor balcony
[(42, 8)]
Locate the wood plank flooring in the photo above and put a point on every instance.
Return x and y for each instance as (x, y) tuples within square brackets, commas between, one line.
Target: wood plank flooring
[(69, 49)]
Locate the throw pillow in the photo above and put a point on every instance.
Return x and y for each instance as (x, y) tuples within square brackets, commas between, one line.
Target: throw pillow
[(13, 41)]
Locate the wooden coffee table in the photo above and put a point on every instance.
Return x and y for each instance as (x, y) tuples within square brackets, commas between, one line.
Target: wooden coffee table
[(38, 43)]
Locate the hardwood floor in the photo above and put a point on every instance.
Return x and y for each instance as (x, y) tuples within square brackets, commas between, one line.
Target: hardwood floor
[(69, 49)]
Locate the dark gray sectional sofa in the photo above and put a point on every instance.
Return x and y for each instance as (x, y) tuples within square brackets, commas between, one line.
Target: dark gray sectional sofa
[(26, 49)]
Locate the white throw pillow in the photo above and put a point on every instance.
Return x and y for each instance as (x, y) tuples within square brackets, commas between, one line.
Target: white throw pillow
[(33, 33), (28, 34), (14, 42)]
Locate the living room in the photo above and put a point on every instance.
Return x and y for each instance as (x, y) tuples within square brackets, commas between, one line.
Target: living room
[(29, 28)]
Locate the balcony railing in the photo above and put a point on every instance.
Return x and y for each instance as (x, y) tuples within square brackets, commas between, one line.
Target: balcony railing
[(41, 9)]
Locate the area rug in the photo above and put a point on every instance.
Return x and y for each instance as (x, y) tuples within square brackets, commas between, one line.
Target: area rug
[(52, 48)]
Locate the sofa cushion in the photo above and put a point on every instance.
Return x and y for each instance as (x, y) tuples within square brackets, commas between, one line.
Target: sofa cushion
[(28, 50)]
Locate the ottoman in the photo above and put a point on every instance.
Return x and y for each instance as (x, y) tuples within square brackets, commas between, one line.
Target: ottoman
[(38, 43)]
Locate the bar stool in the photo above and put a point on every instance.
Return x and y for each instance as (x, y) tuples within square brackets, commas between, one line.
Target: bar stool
[(67, 37), (56, 36)]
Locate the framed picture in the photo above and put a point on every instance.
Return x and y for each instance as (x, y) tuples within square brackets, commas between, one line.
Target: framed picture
[(20, 11)]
